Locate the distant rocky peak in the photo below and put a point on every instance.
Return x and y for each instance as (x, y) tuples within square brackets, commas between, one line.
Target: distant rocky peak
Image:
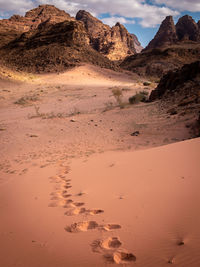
[(187, 28), (118, 24), (16, 18), (92, 24), (46, 10), (116, 43), (169, 34), (166, 34)]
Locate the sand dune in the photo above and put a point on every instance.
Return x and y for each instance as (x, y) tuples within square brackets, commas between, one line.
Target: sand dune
[(80, 189), (150, 200)]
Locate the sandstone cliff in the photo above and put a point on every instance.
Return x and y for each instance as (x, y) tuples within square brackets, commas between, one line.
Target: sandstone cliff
[(49, 39), (12, 28), (175, 82), (185, 30), (171, 48), (166, 34), (115, 43), (52, 47)]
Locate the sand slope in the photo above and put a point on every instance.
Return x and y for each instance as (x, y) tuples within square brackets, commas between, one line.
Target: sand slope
[(71, 194), (144, 203)]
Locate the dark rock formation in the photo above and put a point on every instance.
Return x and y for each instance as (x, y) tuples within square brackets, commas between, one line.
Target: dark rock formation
[(179, 94), (184, 81), (12, 28), (171, 48), (137, 44), (115, 43), (49, 39), (52, 47), (157, 62), (166, 34), (187, 29), (46, 12)]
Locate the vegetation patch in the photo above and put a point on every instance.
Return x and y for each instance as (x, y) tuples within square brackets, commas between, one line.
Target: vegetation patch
[(26, 100), (142, 96)]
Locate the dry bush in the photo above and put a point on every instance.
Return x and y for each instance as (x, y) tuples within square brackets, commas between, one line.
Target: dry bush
[(117, 93), (26, 100), (142, 96)]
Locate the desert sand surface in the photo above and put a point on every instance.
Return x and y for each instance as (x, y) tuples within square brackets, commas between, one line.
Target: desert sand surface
[(77, 188)]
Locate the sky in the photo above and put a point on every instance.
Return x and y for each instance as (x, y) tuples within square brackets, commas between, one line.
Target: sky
[(141, 17)]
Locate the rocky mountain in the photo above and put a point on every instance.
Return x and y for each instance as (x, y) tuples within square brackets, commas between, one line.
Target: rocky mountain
[(52, 47), (49, 39), (166, 34), (137, 44), (11, 28), (186, 29), (171, 48), (157, 62), (179, 92), (182, 82), (115, 43)]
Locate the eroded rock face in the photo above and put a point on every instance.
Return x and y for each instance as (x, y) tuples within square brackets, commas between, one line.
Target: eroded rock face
[(137, 44), (166, 34), (115, 43), (16, 25), (171, 48), (177, 81), (34, 17), (46, 12), (187, 29), (157, 62), (52, 48)]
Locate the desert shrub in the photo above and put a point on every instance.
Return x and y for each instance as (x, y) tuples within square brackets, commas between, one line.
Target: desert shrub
[(25, 100), (117, 93), (157, 81), (138, 97), (146, 83)]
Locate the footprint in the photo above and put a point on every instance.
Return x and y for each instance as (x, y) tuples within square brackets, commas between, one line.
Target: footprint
[(110, 227), (85, 211), (54, 198), (110, 243), (78, 204), (81, 226), (66, 196), (53, 205), (62, 176), (75, 211), (67, 186), (68, 201), (80, 194), (123, 257), (95, 211)]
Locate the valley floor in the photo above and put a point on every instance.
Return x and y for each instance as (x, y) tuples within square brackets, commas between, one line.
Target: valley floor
[(79, 187)]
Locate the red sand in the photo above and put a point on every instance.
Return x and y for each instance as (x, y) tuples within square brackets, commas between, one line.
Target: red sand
[(76, 191)]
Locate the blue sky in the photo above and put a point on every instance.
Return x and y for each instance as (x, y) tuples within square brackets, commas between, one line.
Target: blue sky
[(141, 17)]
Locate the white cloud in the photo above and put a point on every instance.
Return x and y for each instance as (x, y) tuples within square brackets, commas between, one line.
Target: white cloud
[(183, 5), (113, 20), (149, 15), (15, 6)]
